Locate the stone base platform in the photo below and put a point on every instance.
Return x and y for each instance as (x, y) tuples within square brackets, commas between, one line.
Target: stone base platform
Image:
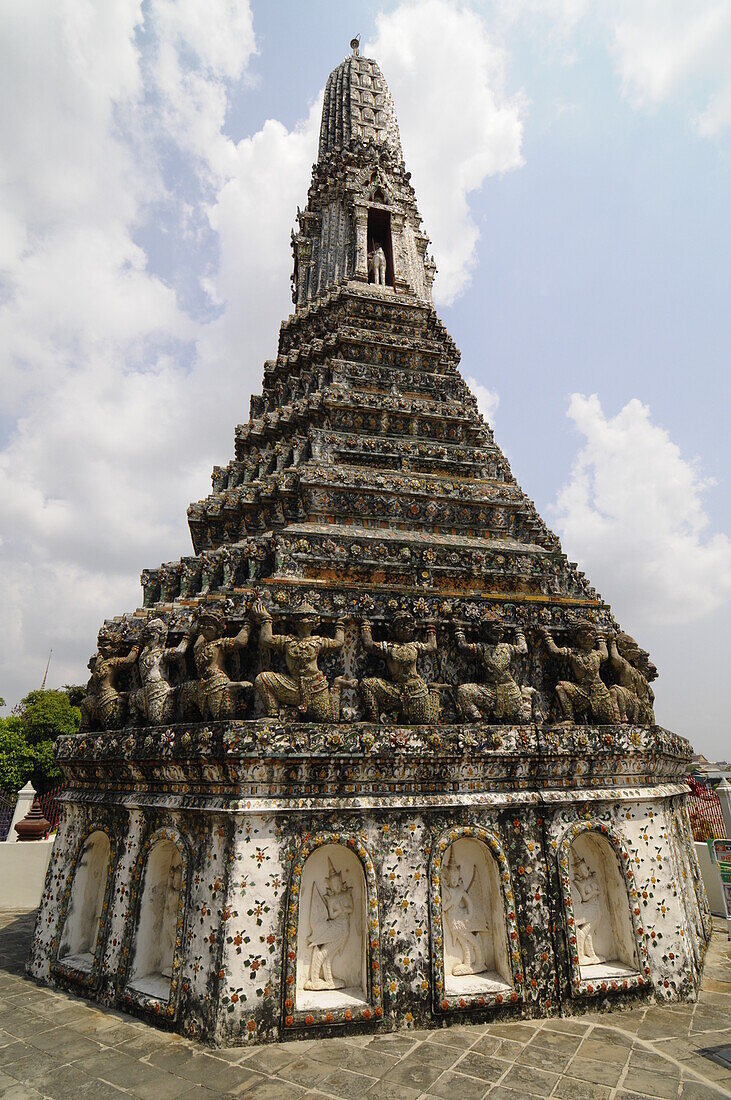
[(254, 881)]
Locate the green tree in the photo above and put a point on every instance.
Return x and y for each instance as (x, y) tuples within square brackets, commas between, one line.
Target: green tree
[(27, 737), (47, 715), (17, 757)]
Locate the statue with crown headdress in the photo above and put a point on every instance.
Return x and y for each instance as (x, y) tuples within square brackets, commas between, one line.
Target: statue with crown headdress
[(405, 694), (465, 916), (155, 700), (218, 696), (303, 686), (105, 704), (330, 913)]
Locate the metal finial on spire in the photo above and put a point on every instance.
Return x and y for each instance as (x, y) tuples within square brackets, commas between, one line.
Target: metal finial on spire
[(354, 44)]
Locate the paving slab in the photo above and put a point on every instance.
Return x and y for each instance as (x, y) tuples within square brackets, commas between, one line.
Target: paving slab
[(57, 1046)]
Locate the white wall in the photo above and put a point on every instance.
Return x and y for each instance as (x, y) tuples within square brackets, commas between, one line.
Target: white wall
[(22, 873)]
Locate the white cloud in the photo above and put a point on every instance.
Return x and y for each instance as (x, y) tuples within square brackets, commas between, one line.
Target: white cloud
[(632, 514), (487, 400), (663, 51), (458, 126)]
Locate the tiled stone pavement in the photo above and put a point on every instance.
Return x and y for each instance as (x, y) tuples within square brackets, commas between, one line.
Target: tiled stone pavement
[(54, 1045)]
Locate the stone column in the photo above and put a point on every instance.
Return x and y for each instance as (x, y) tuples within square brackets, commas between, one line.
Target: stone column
[(723, 790), (360, 213), (400, 277), (22, 806)]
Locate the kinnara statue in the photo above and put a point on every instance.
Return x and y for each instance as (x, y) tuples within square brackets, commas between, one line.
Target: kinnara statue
[(104, 704), (303, 686), (632, 694), (154, 701), (217, 695), (586, 697), (405, 694), (499, 697)]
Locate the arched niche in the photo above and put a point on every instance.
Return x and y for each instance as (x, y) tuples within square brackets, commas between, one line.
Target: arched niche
[(602, 935), (83, 925), (474, 931), (153, 954), (332, 932)]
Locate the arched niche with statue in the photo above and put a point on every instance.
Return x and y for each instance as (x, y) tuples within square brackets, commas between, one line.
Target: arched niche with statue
[(332, 957), (605, 945), (475, 950), (82, 933), (158, 913)]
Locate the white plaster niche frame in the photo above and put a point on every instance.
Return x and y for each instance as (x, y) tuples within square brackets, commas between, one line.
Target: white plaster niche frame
[(476, 957), (605, 944), (83, 918), (158, 915), (332, 933)]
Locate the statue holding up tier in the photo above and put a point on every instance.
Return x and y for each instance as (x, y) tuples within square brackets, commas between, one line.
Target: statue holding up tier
[(303, 685), (586, 897), (218, 696), (632, 694), (330, 913), (104, 703), (499, 697), (377, 265), (465, 916), (405, 694), (154, 702), (585, 697)]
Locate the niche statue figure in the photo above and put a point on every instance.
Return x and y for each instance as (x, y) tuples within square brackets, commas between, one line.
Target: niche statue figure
[(405, 694), (499, 697), (154, 702), (303, 685), (377, 265), (218, 696), (585, 697), (104, 703), (586, 898), (330, 914), (632, 694), (465, 916)]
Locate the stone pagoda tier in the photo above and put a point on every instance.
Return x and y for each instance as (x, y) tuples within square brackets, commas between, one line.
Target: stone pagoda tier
[(375, 755)]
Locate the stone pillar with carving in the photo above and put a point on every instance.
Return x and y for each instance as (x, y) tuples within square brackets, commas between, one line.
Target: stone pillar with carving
[(400, 277), (360, 214)]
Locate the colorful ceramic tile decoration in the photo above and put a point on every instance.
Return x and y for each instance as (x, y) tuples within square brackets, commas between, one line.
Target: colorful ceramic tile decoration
[(375, 755)]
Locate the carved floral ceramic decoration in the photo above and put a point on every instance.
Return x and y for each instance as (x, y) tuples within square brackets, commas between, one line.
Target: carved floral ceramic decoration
[(375, 755)]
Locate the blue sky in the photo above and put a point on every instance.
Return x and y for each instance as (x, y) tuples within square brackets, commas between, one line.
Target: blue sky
[(571, 161)]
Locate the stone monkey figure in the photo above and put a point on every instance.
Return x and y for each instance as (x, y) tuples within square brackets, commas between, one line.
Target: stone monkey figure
[(632, 694), (218, 696), (585, 697), (104, 703), (405, 693), (303, 685), (154, 701), (499, 696)]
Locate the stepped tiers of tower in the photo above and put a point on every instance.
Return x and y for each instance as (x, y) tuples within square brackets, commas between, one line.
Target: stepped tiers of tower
[(375, 755)]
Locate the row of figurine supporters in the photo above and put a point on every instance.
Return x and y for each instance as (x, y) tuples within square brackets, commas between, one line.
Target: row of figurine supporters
[(402, 694)]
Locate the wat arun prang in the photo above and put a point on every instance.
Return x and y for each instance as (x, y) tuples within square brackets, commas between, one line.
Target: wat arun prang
[(375, 755)]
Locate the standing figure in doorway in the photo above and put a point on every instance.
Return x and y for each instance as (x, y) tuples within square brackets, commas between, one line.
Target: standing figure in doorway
[(586, 897), (464, 914), (377, 265)]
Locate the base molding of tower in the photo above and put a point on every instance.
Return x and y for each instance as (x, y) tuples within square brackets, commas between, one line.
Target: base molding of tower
[(424, 874)]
